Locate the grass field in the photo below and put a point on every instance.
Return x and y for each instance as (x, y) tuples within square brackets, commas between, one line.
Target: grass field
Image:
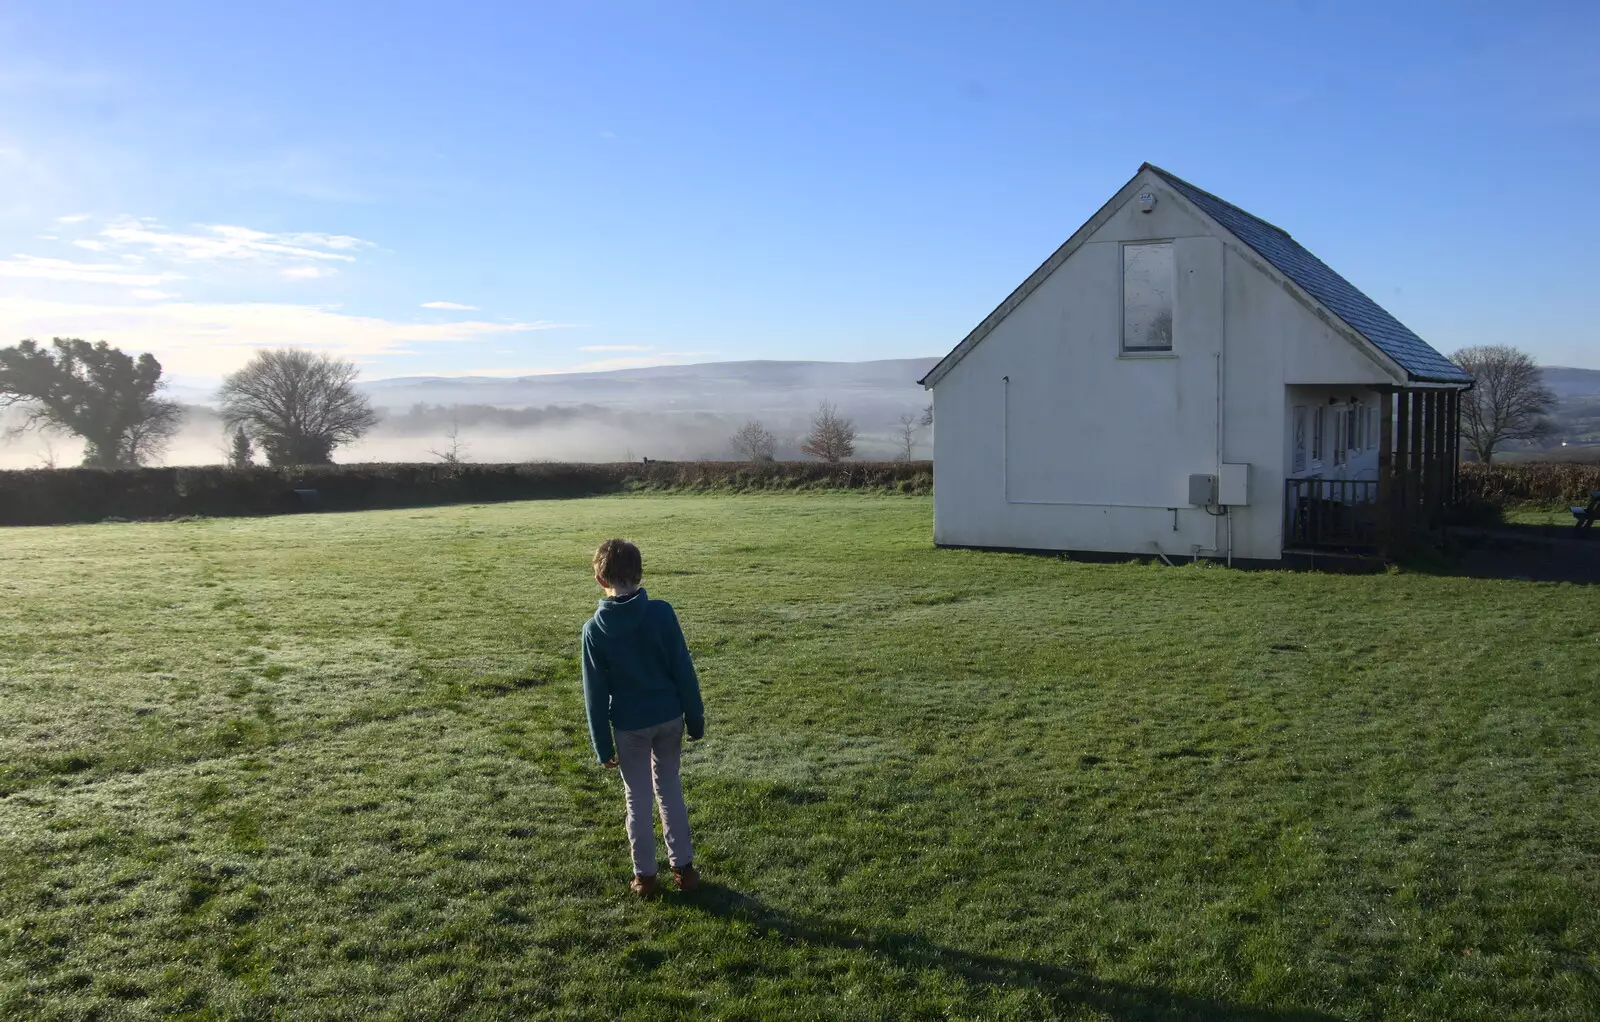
[(334, 766)]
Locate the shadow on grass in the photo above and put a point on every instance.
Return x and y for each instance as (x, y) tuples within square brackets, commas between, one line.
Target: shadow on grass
[(1515, 552), (1062, 985)]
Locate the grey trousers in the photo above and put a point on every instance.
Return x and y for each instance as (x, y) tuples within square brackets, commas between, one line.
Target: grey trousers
[(648, 758)]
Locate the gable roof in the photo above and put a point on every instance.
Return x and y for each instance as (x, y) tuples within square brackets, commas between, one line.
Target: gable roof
[(1340, 297), (1421, 363)]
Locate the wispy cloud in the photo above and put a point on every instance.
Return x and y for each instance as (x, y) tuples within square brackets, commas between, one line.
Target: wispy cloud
[(150, 294), (616, 347), (307, 272), (455, 306), (74, 218), (41, 268), (91, 244), (219, 242)]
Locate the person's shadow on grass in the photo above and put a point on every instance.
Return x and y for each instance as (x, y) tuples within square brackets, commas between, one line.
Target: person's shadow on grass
[(1063, 986)]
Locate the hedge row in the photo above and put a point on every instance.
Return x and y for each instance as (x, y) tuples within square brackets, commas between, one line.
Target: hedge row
[(1542, 482), (51, 496)]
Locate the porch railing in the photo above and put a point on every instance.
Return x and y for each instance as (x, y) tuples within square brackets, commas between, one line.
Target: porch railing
[(1332, 514)]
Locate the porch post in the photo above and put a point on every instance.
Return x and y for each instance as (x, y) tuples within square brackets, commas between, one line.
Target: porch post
[(1385, 471), (1455, 447), (1436, 459), (1419, 461), (1425, 469), (1442, 435), (1402, 465)]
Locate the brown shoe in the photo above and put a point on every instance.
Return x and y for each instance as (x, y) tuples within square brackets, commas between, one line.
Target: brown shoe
[(688, 880), (645, 887)]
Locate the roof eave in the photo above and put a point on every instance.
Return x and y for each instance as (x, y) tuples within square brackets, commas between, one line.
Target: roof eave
[(1464, 383)]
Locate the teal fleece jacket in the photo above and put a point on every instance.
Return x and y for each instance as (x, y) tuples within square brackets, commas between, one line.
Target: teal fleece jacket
[(636, 671)]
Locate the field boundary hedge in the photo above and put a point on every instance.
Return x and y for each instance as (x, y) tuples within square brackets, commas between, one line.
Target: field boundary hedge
[(1530, 482), (57, 496)]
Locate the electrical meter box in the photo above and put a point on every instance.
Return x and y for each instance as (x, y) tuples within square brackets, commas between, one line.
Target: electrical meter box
[(1234, 488), (1202, 490)]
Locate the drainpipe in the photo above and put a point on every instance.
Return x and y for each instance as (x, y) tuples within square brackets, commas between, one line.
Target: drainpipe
[(1222, 404)]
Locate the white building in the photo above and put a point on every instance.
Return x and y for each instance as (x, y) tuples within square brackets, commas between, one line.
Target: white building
[(1176, 336)]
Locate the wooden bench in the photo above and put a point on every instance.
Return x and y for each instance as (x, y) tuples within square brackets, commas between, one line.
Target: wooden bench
[(1587, 515)]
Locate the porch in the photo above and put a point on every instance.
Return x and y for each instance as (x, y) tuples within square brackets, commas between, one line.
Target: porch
[(1411, 483)]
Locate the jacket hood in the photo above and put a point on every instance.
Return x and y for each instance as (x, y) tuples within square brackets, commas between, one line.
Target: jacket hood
[(621, 615)]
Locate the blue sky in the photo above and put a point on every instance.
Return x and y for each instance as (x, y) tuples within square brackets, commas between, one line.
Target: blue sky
[(640, 183)]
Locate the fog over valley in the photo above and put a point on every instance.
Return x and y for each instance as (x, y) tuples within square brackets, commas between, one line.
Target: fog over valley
[(664, 412)]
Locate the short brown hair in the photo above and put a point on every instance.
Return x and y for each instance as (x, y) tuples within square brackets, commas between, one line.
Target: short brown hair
[(618, 562)]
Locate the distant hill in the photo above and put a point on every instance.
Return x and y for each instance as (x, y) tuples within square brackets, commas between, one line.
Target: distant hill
[(1569, 382), (1576, 417), (875, 391), (686, 411)]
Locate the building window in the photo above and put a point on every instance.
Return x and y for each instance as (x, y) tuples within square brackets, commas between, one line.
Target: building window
[(1316, 435), (1341, 418), (1147, 287), (1301, 429), (1354, 419), (1373, 428)]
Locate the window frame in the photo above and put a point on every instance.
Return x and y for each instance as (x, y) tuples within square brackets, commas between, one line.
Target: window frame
[(1145, 351)]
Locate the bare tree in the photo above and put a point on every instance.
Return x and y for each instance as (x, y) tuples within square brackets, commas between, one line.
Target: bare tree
[(1509, 400), (241, 451), (47, 457), (94, 391), (927, 415), (147, 439), (909, 424), (298, 405), (456, 452), (832, 436), (754, 441)]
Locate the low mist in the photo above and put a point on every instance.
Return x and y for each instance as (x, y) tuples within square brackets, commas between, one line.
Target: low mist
[(666, 413), (484, 434)]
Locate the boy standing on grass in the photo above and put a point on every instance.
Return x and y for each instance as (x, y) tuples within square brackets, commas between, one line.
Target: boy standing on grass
[(638, 678)]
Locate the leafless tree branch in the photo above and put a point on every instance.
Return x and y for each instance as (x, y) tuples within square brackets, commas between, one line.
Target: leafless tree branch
[(832, 436), (754, 441), (1508, 401)]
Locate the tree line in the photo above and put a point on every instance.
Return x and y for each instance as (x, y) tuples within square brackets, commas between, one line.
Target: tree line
[(831, 437), (293, 407), (296, 407)]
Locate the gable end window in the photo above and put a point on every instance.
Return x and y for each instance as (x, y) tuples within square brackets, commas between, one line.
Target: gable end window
[(1148, 282)]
